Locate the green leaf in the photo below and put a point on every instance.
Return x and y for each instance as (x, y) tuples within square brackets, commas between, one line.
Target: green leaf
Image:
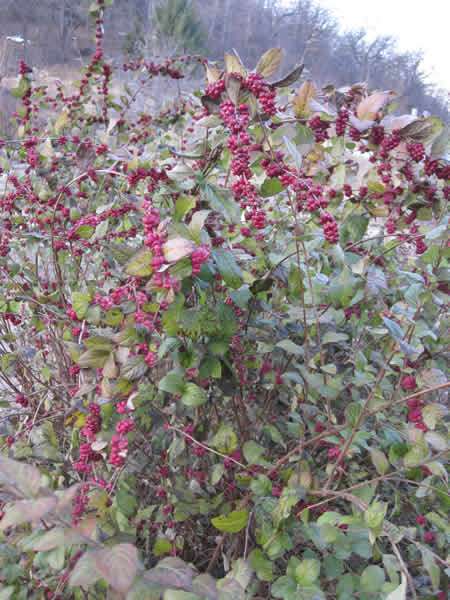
[(291, 348), (197, 223), (162, 546), (307, 572), (437, 520), (193, 395), (295, 282), (432, 568), (270, 187), (183, 205), (400, 592), (221, 200), (211, 367), (379, 460), (375, 514), (225, 440), (416, 455), (262, 565), (354, 229), (285, 588), (217, 473), (85, 232), (394, 329), (372, 579), (228, 268), (22, 88), (342, 288), (432, 415), (94, 358), (253, 452), (80, 303), (261, 486), (126, 502), (234, 522), (241, 297), (333, 337), (173, 383), (139, 265)]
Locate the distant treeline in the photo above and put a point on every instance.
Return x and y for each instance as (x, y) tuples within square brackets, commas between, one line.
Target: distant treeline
[(58, 31)]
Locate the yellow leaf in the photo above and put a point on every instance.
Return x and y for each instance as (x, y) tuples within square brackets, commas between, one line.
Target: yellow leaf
[(301, 101), (233, 65), (140, 264), (80, 420), (269, 62), (61, 121), (212, 73), (110, 369)]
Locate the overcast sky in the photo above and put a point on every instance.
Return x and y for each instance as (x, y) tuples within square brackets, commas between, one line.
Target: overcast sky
[(416, 24)]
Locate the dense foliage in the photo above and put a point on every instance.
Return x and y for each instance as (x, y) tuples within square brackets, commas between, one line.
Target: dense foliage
[(222, 339)]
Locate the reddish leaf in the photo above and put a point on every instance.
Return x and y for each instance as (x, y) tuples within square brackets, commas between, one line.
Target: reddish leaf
[(118, 566)]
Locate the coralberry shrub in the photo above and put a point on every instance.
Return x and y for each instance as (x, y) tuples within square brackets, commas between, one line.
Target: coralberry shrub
[(222, 336)]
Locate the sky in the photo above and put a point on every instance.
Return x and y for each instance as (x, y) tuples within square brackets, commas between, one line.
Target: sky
[(416, 24)]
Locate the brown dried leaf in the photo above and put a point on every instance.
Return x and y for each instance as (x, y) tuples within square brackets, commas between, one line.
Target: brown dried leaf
[(233, 87), (118, 566), (24, 478), (269, 62), (212, 106), (85, 571), (26, 511), (55, 538), (369, 108), (423, 130), (213, 74), (301, 101), (290, 78)]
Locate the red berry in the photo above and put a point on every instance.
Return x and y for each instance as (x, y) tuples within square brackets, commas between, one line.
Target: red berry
[(408, 382), (429, 537)]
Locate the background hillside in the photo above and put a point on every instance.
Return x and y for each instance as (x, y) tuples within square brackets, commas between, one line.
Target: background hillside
[(58, 34)]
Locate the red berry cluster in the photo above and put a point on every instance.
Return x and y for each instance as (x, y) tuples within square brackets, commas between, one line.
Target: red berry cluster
[(320, 128), (330, 228), (265, 94), (342, 122), (237, 119), (22, 400), (389, 143), (416, 152), (216, 89), (93, 422), (198, 257)]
